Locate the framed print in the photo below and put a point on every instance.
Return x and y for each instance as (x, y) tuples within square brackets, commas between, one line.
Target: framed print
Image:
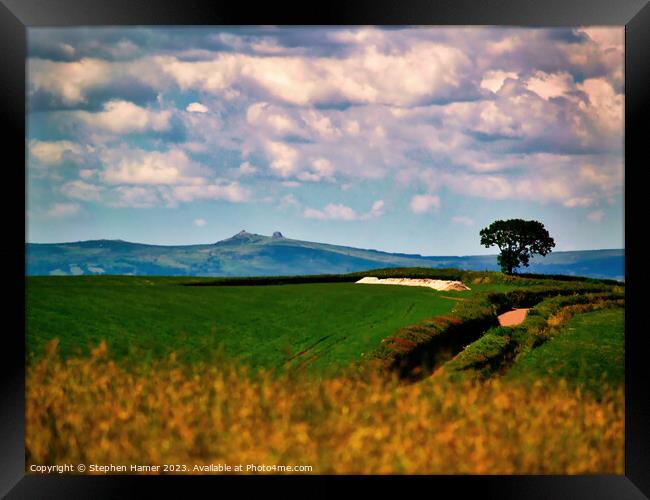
[(364, 242)]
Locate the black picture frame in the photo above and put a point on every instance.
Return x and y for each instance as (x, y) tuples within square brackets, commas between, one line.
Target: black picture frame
[(17, 15)]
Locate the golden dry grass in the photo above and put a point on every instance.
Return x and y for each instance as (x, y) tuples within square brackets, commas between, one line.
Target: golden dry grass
[(90, 410)]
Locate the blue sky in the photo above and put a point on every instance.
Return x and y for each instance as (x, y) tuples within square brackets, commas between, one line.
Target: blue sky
[(408, 139)]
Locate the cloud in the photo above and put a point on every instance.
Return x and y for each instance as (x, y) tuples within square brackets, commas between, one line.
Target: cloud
[(596, 216), (493, 79), (123, 117), (81, 190), (422, 203), (362, 76), (504, 114), (320, 169), (246, 169), (68, 80), (152, 196), (377, 210), (135, 197), (332, 212), (604, 176), (273, 119), (550, 85), (606, 37), (63, 210), (282, 158), (199, 222), (337, 211), (605, 106), (462, 220), (232, 192), (602, 56), (144, 179), (89, 82), (290, 200), (196, 107), (151, 167), (51, 153), (584, 201), (321, 125), (573, 181), (323, 66)]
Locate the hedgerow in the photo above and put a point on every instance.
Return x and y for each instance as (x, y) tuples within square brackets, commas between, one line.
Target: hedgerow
[(416, 350), (500, 347)]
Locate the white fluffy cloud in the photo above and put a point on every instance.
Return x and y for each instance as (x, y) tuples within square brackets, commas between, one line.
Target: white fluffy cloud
[(332, 211), (143, 179), (319, 169), (338, 211), (69, 80), (421, 203), (605, 106), (233, 192), (196, 107), (377, 210), (52, 152), (363, 76), (550, 85), (493, 79), (522, 114), (273, 119), (123, 117), (246, 168), (199, 222), (282, 158), (151, 167), (564, 179)]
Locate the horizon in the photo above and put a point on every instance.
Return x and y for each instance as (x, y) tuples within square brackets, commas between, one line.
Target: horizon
[(492, 251), (405, 139)]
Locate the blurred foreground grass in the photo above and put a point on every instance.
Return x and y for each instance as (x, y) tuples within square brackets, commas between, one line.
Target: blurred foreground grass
[(90, 410)]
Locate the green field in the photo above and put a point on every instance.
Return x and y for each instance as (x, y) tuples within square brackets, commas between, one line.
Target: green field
[(444, 378), (316, 325), (589, 352), (292, 325)]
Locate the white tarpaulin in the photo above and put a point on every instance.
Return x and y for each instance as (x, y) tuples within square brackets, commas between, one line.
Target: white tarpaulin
[(441, 285)]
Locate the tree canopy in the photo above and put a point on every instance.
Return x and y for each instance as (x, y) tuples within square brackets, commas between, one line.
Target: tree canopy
[(518, 240)]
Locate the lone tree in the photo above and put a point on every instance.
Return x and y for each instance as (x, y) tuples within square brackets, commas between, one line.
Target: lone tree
[(518, 241)]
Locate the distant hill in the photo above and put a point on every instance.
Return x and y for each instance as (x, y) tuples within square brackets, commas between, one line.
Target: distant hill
[(247, 254)]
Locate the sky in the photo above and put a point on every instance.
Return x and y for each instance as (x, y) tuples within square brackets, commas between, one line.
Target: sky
[(402, 139)]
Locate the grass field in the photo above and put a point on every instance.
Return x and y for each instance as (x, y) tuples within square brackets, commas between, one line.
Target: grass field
[(92, 410), (320, 325), (589, 352), (103, 386)]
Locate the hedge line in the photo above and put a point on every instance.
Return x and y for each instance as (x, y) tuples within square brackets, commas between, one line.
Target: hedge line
[(404, 272), (530, 296), (500, 347), (409, 272), (415, 350)]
